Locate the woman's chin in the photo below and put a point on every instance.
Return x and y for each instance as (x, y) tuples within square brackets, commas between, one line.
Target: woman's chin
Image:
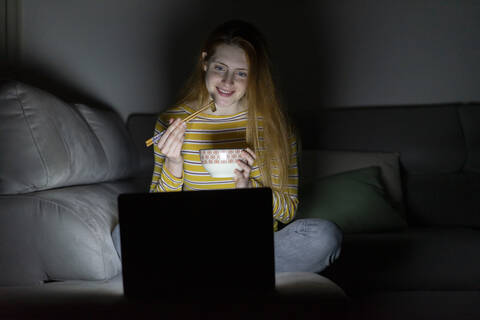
[(223, 103), (226, 102)]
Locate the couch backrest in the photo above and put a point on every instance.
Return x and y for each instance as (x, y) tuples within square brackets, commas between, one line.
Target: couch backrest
[(47, 143), (439, 149), (141, 128)]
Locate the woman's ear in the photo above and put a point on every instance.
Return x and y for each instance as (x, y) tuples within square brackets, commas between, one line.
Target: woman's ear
[(204, 61)]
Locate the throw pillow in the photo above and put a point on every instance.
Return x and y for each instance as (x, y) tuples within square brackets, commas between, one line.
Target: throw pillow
[(321, 163), (355, 200)]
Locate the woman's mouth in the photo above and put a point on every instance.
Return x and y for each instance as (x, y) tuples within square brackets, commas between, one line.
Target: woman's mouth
[(225, 93)]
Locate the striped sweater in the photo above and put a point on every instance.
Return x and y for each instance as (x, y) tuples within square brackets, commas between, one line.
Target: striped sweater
[(219, 132)]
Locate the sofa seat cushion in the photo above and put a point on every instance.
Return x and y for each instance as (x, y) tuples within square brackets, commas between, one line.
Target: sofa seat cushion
[(302, 286), (300, 295), (414, 259), (60, 234), (418, 305)]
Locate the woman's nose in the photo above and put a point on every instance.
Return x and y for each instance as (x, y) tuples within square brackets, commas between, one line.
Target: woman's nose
[(228, 77)]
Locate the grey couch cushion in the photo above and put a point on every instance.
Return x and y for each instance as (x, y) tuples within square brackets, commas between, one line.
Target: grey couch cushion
[(60, 234), (429, 139), (46, 143), (121, 158), (439, 153), (416, 259), (141, 127)]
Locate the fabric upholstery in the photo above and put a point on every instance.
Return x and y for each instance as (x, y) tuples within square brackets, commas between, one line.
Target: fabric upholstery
[(46, 143), (62, 167), (60, 234), (140, 127), (321, 163), (301, 285), (444, 200), (429, 138), (470, 119), (414, 259), (439, 160), (297, 294), (355, 200), (121, 158), (437, 146)]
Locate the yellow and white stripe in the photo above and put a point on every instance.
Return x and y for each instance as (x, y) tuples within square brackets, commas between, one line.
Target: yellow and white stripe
[(219, 132)]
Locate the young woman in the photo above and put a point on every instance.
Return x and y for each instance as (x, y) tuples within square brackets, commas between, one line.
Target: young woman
[(233, 69)]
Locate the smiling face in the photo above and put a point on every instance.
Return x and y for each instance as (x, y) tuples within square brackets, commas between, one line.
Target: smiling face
[(226, 78)]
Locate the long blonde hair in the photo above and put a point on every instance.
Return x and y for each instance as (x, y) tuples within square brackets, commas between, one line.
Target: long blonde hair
[(262, 98)]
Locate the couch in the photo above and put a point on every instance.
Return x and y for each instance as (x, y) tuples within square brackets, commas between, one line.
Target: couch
[(62, 167), (414, 245), (402, 182)]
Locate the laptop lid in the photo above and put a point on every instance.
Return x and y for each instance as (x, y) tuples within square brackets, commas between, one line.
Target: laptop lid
[(197, 242)]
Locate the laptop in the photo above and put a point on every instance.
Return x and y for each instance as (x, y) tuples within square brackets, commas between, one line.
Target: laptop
[(197, 244)]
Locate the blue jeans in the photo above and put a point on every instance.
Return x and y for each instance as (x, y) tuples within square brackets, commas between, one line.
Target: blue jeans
[(308, 245)]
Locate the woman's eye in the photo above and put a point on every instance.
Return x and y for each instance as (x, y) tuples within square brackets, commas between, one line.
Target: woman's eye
[(242, 74), (219, 68)]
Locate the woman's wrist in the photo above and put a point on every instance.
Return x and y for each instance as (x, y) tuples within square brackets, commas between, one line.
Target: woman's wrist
[(175, 166)]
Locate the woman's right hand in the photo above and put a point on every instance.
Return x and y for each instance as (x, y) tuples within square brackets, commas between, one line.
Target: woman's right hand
[(170, 144)]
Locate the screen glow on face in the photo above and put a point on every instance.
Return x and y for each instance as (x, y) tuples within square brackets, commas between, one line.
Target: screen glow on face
[(226, 76)]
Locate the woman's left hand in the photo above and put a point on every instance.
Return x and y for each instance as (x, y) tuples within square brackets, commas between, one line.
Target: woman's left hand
[(242, 176)]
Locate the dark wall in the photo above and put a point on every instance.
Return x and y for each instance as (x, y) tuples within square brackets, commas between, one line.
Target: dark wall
[(3, 31), (134, 55)]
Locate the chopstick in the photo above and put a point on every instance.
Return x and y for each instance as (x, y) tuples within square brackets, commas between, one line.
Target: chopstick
[(211, 105)]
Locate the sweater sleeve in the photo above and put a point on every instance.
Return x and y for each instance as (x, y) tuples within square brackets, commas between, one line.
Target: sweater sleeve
[(285, 203), (162, 179)]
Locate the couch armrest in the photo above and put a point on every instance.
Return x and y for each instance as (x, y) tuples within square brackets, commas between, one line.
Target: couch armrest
[(60, 234)]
